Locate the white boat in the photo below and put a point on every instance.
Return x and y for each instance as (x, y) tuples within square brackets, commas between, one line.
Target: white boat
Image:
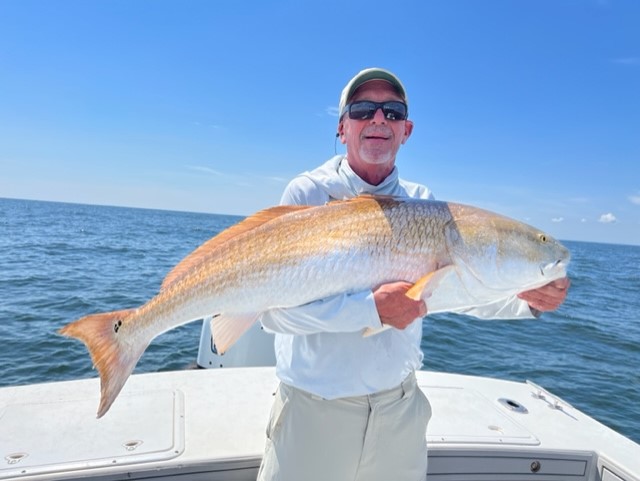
[(210, 424)]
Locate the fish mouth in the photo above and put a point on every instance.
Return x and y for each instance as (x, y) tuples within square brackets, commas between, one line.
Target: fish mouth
[(554, 269)]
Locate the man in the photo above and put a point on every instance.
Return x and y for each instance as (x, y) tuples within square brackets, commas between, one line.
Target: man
[(348, 407)]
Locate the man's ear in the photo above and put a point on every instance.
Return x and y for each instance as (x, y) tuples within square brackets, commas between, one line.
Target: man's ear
[(408, 128), (340, 133)]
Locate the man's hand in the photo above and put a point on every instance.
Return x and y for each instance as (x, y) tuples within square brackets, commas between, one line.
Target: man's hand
[(394, 307), (548, 297)]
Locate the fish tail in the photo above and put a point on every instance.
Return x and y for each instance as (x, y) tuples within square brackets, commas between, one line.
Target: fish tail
[(111, 355)]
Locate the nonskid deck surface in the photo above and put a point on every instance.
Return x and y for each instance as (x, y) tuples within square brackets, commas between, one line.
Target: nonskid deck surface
[(192, 424)]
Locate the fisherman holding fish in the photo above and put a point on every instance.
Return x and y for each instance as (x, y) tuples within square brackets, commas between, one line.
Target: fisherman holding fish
[(342, 286), (348, 407)]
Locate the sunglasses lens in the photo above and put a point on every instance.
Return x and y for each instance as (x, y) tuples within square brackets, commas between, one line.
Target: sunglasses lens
[(366, 110), (362, 110), (394, 110)]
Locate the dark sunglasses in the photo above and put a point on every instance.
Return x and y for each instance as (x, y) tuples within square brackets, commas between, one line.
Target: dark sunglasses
[(366, 109)]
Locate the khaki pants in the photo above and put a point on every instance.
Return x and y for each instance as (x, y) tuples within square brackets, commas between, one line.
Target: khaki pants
[(377, 437)]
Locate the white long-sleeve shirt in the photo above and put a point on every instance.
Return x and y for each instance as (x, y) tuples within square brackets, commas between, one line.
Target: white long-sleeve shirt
[(319, 346)]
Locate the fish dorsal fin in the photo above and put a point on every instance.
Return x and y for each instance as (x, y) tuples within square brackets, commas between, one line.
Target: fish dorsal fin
[(241, 227), (368, 198)]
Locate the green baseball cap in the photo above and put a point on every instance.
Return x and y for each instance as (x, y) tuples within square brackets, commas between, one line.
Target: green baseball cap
[(367, 75)]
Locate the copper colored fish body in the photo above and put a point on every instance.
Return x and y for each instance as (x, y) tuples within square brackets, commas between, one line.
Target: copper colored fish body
[(458, 256)]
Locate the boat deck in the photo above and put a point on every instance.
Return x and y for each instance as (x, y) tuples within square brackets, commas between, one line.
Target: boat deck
[(210, 424)]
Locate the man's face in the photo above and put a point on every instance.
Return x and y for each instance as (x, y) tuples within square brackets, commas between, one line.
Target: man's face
[(375, 141)]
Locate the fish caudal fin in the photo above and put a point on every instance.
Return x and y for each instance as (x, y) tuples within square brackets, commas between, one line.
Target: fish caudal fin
[(228, 328), (422, 289), (113, 358)]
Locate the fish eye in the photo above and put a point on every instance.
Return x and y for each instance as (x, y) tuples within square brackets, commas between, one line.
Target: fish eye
[(542, 237)]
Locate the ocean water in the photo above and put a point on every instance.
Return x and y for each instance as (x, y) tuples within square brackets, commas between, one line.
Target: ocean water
[(59, 262)]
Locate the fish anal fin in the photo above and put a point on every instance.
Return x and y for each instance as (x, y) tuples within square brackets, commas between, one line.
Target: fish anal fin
[(228, 328), (113, 358), (243, 226)]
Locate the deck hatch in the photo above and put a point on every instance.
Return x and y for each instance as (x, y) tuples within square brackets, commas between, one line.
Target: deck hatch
[(64, 435), (465, 416)]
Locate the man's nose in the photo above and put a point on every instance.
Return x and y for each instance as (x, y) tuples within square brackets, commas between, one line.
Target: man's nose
[(378, 117)]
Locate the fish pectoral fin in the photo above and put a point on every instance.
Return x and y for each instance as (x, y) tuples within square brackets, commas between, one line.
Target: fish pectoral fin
[(422, 289), (226, 329), (425, 286)]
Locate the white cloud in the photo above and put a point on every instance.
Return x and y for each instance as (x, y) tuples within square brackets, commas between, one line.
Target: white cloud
[(333, 111), (583, 220), (238, 179), (607, 218), (557, 219), (206, 170), (634, 199), (281, 180)]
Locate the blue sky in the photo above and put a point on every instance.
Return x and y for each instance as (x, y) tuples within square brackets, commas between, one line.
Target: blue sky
[(530, 108)]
